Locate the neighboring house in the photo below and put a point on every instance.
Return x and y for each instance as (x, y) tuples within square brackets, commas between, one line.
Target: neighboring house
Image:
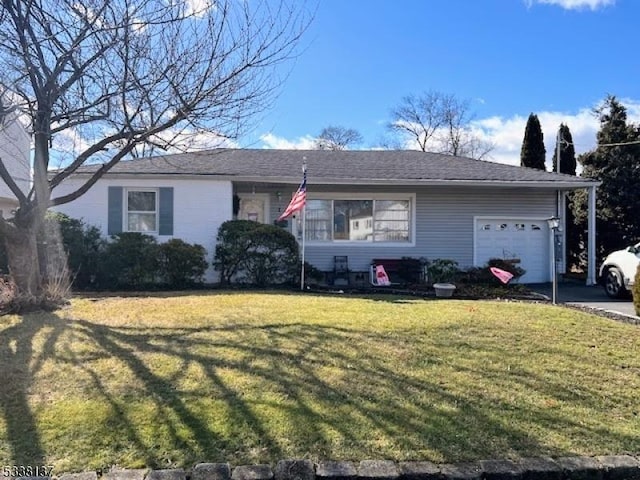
[(14, 152), (362, 204)]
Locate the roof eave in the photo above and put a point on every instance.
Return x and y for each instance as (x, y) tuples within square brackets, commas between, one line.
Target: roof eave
[(557, 184)]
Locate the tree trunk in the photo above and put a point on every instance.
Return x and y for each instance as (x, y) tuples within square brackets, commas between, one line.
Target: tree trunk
[(22, 257)]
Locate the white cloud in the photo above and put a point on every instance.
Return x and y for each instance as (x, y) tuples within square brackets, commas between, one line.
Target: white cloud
[(302, 143), (187, 140), (574, 4), (198, 8), (507, 133)]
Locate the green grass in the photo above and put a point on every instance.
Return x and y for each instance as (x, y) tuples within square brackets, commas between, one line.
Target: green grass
[(248, 378)]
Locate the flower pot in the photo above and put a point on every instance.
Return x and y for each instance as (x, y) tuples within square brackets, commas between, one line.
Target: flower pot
[(444, 289)]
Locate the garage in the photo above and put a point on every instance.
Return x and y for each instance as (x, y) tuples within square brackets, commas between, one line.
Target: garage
[(521, 239)]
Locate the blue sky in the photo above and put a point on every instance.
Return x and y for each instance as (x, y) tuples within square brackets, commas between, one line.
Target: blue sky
[(555, 58)]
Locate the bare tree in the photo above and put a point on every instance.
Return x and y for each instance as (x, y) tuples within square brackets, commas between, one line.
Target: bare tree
[(112, 78), (338, 138), (438, 122)]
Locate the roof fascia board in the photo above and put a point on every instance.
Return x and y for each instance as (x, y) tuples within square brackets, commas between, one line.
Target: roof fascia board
[(349, 181)]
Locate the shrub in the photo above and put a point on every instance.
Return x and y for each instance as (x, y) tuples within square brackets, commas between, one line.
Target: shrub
[(442, 270), (181, 264), (130, 261), (272, 258), (484, 275), (636, 291), (507, 266), (232, 244), (82, 243), (255, 253)]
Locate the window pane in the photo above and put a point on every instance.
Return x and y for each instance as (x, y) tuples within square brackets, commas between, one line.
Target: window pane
[(349, 213), (141, 201), (318, 220), (392, 221), (142, 222)]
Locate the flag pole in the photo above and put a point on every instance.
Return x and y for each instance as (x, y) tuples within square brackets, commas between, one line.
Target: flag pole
[(304, 222)]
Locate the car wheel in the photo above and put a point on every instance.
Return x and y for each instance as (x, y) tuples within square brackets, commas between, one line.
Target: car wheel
[(613, 285)]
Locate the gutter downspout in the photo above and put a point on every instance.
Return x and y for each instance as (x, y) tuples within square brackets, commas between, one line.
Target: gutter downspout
[(591, 237)]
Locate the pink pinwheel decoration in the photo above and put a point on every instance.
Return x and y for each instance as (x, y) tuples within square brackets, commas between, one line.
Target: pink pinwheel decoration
[(501, 275)]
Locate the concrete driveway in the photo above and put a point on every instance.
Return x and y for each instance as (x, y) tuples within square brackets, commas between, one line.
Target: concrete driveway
[(573, 292)]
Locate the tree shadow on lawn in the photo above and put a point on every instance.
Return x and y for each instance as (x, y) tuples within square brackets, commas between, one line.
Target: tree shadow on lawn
[(247, 393)]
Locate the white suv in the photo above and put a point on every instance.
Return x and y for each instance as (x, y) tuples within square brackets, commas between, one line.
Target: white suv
[(619, 270)]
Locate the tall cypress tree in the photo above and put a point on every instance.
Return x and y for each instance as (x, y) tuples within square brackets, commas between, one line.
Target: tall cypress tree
[(533, 152), (567, 152)]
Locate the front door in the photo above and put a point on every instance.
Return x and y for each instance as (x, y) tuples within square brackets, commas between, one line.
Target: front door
[(254, 207)]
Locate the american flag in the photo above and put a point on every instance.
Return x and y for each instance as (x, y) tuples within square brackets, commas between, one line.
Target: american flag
[(299, 198)]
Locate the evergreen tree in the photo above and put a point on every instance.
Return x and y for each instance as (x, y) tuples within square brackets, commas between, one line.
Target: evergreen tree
[(567, 152), (616, 163), (533, 152)]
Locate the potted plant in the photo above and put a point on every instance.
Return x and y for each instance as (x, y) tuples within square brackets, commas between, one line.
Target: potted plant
[(441, 273)]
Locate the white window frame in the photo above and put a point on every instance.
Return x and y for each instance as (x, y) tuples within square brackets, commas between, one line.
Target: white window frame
[(402, 196), (126, 212)]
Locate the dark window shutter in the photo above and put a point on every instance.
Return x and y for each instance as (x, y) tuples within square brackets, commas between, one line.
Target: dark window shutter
[(114, 224), (165, 226)]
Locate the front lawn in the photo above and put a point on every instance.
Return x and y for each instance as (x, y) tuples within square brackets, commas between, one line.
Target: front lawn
[(257, 377)]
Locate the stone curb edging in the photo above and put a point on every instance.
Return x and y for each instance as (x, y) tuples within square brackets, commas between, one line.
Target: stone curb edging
[(606, 467)]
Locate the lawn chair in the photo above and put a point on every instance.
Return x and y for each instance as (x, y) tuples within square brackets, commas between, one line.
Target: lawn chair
[(378, 276)]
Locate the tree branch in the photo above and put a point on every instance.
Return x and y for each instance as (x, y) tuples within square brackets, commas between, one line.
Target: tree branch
[(8, 179)]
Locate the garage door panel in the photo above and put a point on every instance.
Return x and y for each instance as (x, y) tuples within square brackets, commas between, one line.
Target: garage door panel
[(526, 240)]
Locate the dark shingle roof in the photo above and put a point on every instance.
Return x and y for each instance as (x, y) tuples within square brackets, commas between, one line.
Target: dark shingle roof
[(326, 167)]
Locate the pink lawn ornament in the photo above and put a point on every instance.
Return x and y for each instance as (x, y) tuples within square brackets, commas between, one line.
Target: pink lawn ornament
[(382, 278), (501, 275)]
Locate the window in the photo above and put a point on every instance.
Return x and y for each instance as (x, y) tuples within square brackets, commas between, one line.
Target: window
[(142, 210), (346, 213), (362, 220), (391, 221), (318, 220)]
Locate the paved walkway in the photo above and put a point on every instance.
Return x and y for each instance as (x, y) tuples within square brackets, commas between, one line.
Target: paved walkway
[(573, 292)]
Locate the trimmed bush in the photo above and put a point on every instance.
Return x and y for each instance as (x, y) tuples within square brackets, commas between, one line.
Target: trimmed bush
[(636, 291), (83, 245), (255, 253), (232, 244), (182, 264), (130, 261)]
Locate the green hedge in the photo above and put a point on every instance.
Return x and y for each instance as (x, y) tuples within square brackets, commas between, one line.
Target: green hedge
[(254, 253), (182, 264)]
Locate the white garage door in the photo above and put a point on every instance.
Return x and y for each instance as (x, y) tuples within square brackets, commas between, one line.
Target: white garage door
[(526, 240)]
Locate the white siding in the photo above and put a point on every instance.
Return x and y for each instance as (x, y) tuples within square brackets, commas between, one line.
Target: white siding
[(200, 207), (14, 151)]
